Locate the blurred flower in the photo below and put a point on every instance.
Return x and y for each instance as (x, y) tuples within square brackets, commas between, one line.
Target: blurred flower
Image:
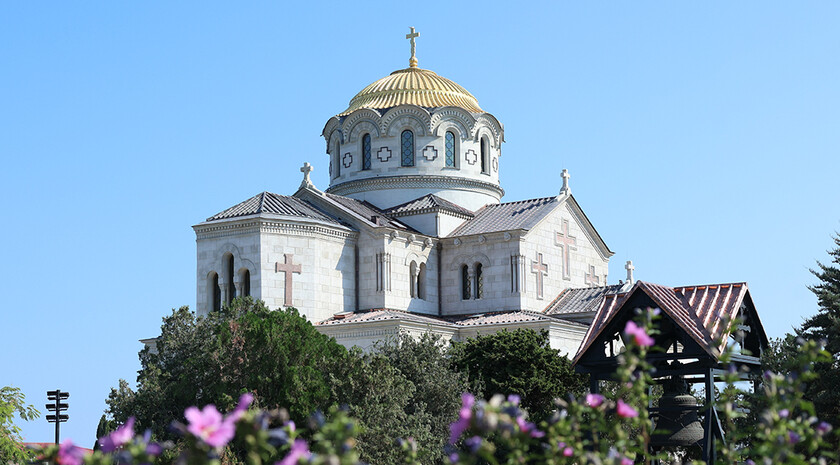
[(594, 400), (626, 411), (514, 399), (793, 438), (118, 438), (783, 413), (208, 425), (69, 454), (457, 428), (638, 333), (626, 461), (824, 427), (300, 449), (244, 401), (473, 444)]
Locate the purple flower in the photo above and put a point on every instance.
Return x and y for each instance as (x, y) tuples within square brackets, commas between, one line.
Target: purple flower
[(244, 401), (594, 400), (453, 457), (824, 427), (118, 438), (793, 438), (626, 411), (638, 333), (783, 413), (514, 399), (529, 428), (626, 461), (207, 425), (69, 454), (749, 462), (300, 449), (473, 444), (464, 415)]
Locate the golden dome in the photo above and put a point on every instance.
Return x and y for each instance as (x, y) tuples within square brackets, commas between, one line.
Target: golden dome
[(413, 86)]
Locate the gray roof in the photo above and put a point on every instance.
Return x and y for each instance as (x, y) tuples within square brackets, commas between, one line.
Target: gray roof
[(524, 214), (267, 202), (580, 300), (368, 211), (428, 202), (380, 314), (476, 319)]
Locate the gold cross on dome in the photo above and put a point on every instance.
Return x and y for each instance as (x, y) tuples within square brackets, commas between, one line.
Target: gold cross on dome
[(412, 62)]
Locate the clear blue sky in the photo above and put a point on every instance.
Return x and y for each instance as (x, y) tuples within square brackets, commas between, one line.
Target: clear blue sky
[(702, 139)]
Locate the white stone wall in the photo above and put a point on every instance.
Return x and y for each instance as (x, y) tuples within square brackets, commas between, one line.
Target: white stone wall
[(365, 335), (404, 249), (326, 284), (494, 252), (240, 239), (562, 336), (584, 254)]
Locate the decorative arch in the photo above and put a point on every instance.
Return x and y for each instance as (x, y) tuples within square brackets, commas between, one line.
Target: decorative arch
[(244, 277), (469, 259), (488, 121), (214, 293), (359, 122), (447, 117), (405, 116), (332, 125), (413, 256)]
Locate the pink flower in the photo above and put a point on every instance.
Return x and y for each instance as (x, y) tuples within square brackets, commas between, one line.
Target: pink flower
[(638, 333), (626, 411), (122, 436), (244, 401), (464, 415), (594, 400), (69, 454), (300, 449), (529, 428), (207, 425), (568, 451), (626, 461)]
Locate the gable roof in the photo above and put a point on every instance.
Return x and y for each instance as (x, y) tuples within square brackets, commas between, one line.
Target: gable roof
[(524, 214), (267, 202), (380, 314), (428, 203), (371, 214), (580, 300), (699, 310)]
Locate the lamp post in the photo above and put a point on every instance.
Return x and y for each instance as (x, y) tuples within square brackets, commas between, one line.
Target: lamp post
[(57, 406)]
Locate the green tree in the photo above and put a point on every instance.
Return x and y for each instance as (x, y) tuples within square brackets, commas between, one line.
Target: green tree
[(517, 362), (825, 326), (12, 404), (276, 355), (438, 386)]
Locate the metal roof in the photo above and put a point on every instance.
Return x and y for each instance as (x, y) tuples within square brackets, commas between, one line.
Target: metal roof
[(369, 212), (699, 310), (380, 314), (580, 300), (267, 202), (496, 318), (524, 214), (428, 202)]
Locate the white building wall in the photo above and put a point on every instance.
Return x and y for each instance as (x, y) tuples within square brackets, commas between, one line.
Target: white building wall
[(241, 240)]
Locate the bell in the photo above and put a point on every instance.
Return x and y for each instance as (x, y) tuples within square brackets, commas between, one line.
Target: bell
[(677, 423)]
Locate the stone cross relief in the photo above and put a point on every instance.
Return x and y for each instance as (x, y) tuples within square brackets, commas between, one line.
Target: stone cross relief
[(288, 268), (566, 243), (540, 269), (591, 277)]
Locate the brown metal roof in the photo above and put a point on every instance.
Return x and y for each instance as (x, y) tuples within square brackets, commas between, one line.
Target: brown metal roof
[(267, 202), (698, 310), (524, 214)]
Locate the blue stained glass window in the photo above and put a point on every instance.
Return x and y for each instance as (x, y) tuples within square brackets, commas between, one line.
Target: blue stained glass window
[(450, 149), (407, 148), (366, 152)]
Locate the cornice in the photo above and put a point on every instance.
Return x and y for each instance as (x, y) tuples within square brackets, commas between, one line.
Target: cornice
[(414, 181), (213, 230)]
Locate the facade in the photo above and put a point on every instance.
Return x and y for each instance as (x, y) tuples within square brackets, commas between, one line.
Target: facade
[(411, 235)]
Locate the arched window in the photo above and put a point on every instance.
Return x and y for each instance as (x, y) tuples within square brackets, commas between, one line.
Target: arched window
[(485, 161), (366, 152), (450, 149), (407, 148), (421, 281), (214, 294), (412, 279), (231, 290), (337, 161), (479, 281), (246, 283), (465, 283)]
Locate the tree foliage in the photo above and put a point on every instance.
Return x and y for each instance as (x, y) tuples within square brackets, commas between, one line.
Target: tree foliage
[(12, 404), (276, 355), (518, 362)]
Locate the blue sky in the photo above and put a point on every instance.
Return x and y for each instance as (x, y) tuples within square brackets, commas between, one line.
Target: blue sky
[(702, 139)]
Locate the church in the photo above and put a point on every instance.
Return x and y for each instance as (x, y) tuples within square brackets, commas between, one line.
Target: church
[(411, 235)]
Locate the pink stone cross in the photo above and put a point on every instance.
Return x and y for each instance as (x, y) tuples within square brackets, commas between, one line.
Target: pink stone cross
[(540, 269), (567, 243), (287, 268), (591, 277)]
